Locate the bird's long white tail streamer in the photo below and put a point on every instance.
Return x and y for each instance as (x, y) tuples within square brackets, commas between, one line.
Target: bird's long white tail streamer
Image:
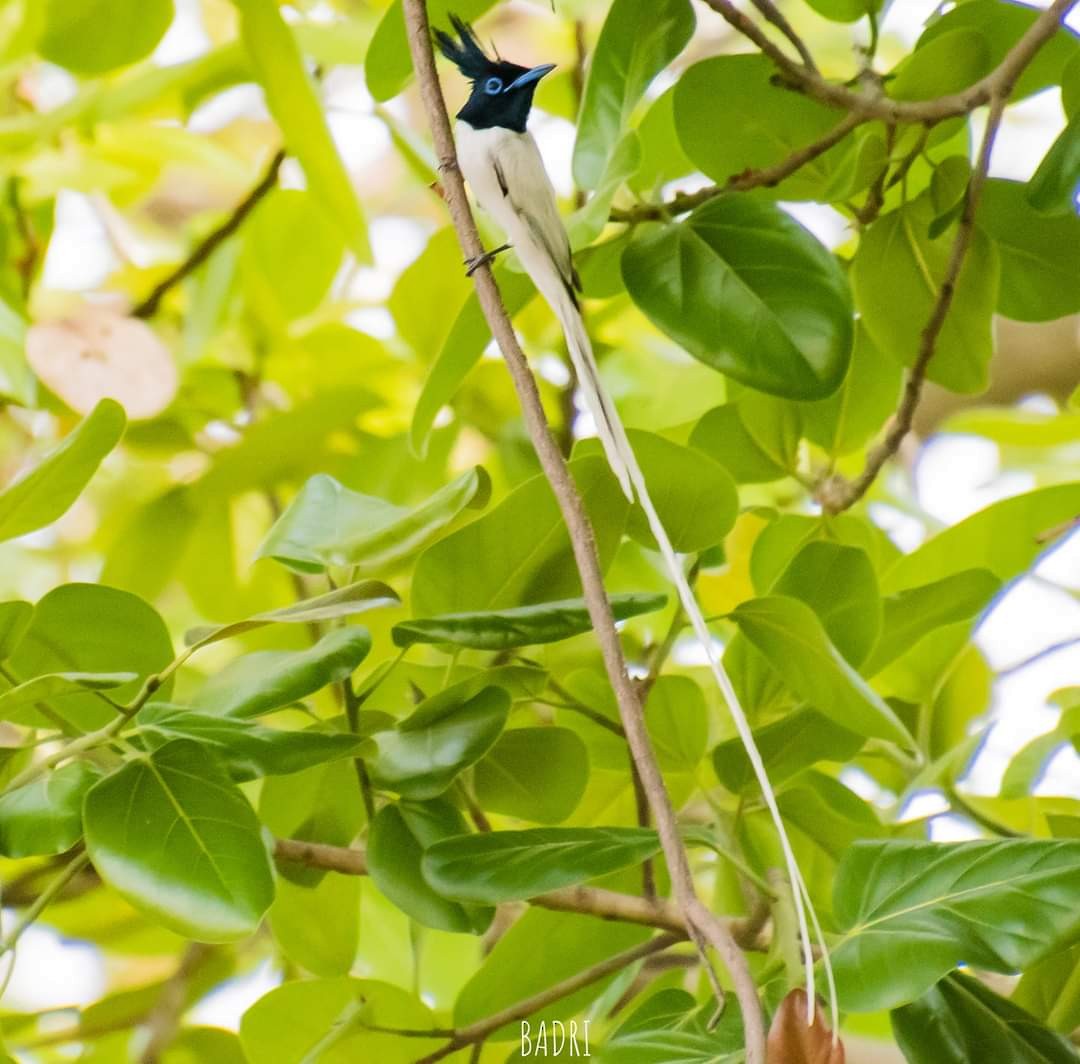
[(625, 466)]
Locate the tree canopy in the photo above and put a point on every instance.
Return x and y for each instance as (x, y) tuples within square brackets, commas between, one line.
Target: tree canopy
[(311, 699)]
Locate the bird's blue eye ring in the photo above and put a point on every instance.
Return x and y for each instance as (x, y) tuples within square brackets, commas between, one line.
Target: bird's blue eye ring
[(493, 86)]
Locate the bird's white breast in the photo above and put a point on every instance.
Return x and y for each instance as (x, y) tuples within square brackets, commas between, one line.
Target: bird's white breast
[(484, 155)]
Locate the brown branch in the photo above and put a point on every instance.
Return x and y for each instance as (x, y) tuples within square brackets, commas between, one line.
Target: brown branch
[(997, 84), (701, 923), (477, 1032), (836, 493), (767, 177), (163, 1019), (342, 859), (774, 15), (660, 913), (206, 247)]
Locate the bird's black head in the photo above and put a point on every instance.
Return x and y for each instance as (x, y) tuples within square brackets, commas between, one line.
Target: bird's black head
[(502, 93)]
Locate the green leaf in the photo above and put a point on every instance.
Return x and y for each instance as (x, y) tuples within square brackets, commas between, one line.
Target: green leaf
[(913, 613), (41, 496), (913, 911), (95, 36), (1003, 23), (672, 1028), (248, 750), (948, 188), (960, 1019), (1040, 255), (15, 617), (55, 685), (838, 583), (746, 289), (325, 946), (693, 494), (522, 626), (341, 602), (535, 774), (590, 220), (500, 866), (464, 345), (388, 66), (782, 538), (295, 106), (1053, 188), (319, 1020), (624, 63), (446, 734), (845, 10), (858, 410), (192, 859), (1006, 537), (45, 817), (291, 253), (256, 683), (329, 525), (400, 835), (786, 630), (941, 65), (662, 157), (525, 547), (827, 812), (678, 723), (897, 273), (756, 439), (1049, 991), (87, 628), (787, 746), (758, 125), (437, 276)]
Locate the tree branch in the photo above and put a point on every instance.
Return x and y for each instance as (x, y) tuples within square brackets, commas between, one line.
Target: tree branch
[(206, 247), (660, 913), (774, 15), (997, 84), (768, 177), (837, 493), (477, 1032), (701, 924), (349, 862), (164, 1018)]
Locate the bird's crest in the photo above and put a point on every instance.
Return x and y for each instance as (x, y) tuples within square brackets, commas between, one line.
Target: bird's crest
[(466, 54)]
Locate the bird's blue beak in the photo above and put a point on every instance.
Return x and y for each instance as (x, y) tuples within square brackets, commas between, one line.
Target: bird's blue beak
[(530, 76)]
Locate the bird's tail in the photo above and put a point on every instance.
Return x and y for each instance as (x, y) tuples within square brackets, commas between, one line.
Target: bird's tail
[(625, 466)]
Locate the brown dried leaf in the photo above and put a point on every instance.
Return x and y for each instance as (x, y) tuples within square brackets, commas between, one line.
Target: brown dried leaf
[(791, 1041), (98, 353)]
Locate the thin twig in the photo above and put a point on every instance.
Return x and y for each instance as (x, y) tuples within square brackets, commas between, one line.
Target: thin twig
[(480, 1030), (999, 82), (42, 902), (701, 923), (767, 177), (837, 493), (774, 15), (206, 247)]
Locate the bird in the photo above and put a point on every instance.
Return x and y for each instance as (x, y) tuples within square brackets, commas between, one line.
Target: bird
[(502, 165)]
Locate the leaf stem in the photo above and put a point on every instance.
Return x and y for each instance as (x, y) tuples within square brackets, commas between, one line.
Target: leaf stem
[(43, 900)]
